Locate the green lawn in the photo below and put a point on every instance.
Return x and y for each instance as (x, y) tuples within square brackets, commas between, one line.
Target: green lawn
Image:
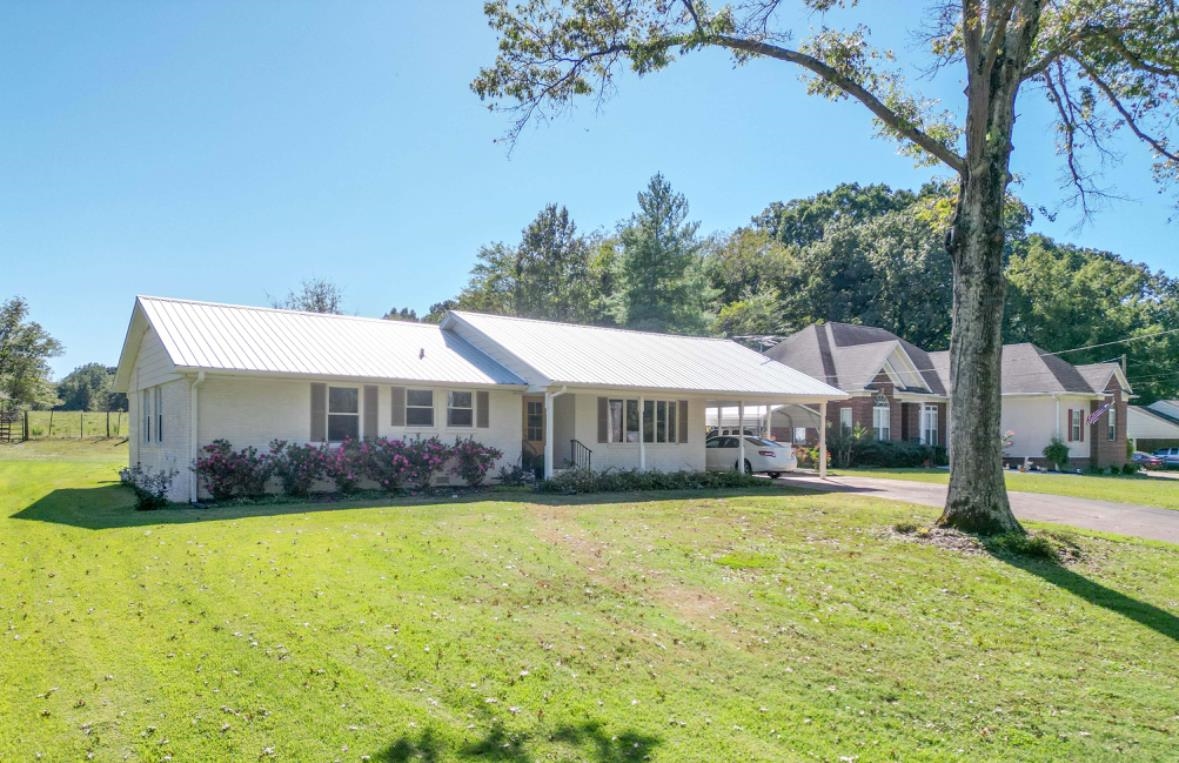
[(74, 424), (759, 626), (1139, 489)]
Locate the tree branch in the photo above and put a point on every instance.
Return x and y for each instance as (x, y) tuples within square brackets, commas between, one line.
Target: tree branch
[(1116, 102), (852, 88)]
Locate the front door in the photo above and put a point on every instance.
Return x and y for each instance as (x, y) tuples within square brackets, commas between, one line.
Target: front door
[(534, 424)]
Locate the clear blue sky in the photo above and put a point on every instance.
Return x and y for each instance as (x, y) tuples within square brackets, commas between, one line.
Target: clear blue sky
[(229, 151)]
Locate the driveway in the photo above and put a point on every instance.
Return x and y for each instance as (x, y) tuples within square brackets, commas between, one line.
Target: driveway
[(1124, 518)]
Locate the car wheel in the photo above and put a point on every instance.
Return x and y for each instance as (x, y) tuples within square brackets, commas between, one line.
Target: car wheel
[(774, 475), (748, 467)]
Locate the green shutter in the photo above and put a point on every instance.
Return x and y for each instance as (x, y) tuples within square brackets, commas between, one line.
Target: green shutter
[(397, 417), (682, 421), (318, 412), (482, 414)]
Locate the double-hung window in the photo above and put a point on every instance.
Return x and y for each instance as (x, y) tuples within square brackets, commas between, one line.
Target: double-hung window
[(881, 420), (929, 425), (460, 409), (419, 407), (845, 420), (622, 421), (158, 397), (1076, 424), (145, 413), (659, 423), (1111, 430), (343, 414)]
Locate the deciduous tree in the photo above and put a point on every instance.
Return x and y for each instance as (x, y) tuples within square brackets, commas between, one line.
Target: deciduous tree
[(1103, 64), (25, 348)]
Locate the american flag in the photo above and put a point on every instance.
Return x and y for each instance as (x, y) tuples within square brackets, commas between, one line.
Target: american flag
[(1093, 417)]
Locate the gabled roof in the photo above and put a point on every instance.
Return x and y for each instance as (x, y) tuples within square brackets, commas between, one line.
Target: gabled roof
[(1097, 375), (851, 357), (1028, 370), (590, 356), (255, 340)]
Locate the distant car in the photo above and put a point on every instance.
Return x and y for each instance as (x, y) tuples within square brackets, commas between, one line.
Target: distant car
[(761, 456), (1146, 460), (714, 432), (1170, 457)]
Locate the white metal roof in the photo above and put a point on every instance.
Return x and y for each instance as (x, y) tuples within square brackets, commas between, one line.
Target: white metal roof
[(590, 356), (235, 338)]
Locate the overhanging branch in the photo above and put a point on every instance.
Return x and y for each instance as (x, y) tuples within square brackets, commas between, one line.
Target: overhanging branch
[(852, 88)]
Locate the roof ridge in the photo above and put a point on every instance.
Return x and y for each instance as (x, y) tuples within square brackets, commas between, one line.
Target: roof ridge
[(618, 329), (282, 310)]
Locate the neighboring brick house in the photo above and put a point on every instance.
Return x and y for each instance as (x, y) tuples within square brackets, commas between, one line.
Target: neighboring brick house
[(899, 392), (1108, 436), (895, 392)]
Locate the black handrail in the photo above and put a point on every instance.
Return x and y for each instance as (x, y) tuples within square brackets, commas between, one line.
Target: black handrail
[(580, 456)]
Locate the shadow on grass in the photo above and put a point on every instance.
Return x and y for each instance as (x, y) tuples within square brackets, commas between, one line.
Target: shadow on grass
[(585, 741), (113, 506), (1159, 620)]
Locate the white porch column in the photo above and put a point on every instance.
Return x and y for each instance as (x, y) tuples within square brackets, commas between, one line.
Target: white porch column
[(642, 439), (765, 430), (548, 435), (823, 440), (741, 436)]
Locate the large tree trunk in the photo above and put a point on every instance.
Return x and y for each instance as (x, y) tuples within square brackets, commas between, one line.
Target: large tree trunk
[(977, 499)]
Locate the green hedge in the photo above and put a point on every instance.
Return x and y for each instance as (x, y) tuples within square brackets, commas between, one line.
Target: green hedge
[(897, 454), (619, 481)]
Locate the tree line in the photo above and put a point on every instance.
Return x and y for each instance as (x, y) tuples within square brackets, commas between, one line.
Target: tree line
[(868, 254), (857, 254)]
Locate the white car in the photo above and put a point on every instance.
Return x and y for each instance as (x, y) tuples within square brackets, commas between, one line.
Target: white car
[(761, 456)]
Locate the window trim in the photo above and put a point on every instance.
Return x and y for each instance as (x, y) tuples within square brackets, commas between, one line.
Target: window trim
[(846, 427), (328, 413), (431, 408), (882, 433), (1111, 423), (636, 427), (929, 424), (1076, 425)]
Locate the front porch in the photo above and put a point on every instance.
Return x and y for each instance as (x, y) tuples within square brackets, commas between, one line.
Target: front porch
[(626, 429)]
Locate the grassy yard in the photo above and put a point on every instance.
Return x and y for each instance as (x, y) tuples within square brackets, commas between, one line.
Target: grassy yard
[(1139, 489), (759, 626)]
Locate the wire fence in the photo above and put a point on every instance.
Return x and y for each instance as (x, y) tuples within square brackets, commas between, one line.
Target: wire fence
[(67, 425)]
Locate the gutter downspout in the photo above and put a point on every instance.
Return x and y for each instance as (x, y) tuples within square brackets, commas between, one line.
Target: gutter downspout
[(193, 421), (548, 429)]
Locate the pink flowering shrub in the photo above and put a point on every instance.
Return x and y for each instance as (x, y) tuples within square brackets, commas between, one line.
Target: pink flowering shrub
[(226, 472), (473, 460), (344, 465), (386, 462), (298, 467)]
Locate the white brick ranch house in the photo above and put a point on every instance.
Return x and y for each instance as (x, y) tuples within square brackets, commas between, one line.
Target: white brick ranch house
[(195, 372)]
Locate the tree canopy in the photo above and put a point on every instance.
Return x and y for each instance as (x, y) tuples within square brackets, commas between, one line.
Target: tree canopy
[(25, 348), (316, 295), (88, 388), (1104, 65)]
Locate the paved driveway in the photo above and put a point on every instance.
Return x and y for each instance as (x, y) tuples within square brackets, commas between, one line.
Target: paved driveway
[(1124, 518)]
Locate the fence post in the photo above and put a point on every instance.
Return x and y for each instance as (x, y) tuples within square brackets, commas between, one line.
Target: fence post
[(25, 433), (50, 435), (108, 423), (82, 425)]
